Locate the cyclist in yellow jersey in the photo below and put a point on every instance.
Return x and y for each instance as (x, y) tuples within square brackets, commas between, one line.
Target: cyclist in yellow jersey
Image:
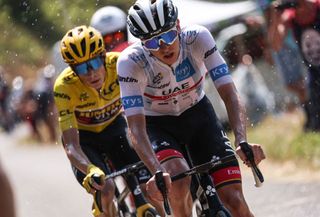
[(87, 97)]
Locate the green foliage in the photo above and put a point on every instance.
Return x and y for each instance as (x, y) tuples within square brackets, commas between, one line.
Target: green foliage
[(283, 139), (31, 27)]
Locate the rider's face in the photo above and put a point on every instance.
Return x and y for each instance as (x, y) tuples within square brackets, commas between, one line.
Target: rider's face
[(94, 78), (167, 53), (169, 45)]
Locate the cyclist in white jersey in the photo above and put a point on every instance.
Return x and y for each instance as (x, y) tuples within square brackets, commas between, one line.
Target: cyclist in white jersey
[(161, 80)]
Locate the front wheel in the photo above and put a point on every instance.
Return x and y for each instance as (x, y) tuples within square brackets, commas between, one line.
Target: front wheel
[(147, 211)]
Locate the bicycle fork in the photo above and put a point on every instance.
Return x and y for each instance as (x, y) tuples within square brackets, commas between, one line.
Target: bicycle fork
[(213, 206), (143, 208)]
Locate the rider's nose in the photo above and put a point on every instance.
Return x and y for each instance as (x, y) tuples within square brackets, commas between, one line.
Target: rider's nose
[(164, 45)]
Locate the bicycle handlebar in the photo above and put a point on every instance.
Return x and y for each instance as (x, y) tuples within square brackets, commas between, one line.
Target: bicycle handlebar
[(127, 170), (204, 168), (247, 150)]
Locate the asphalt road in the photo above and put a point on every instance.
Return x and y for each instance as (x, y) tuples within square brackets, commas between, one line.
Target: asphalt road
[(44, 184)]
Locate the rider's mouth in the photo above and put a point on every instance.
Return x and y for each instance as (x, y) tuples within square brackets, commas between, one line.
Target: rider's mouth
[(169, 55)]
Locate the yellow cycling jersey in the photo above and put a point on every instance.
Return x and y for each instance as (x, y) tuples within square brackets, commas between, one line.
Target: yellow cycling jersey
[(82, 107)]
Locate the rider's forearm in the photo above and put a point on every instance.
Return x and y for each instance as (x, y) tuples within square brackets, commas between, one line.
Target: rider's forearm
[(77, 157), (237, 118), (74, 151), (144, 150)]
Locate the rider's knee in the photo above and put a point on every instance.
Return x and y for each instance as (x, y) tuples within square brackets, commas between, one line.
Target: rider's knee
[(180, 188), (108, 191)]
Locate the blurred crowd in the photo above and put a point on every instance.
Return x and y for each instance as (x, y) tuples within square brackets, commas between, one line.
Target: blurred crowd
[(29, 101), (273, 54)]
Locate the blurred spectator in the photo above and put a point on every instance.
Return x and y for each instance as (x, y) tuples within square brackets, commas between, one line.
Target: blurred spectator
[(112, 23), (31, 101), (5, 120), (43, 93), (303, 17), (7, 204), (26, 107), (240, 44), (288, 62)]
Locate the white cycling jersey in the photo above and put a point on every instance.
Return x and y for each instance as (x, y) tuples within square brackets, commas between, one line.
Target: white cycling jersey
[(150, 87)]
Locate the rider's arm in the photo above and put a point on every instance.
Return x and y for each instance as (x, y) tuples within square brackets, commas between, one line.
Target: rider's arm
[(141, 143), (277, 29), (206, 47), (235, 110), (74, 151), (132, 100), (64, 101)]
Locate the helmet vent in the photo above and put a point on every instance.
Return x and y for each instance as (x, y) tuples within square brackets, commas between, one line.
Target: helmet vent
[(91, 34), (74, 49), (69, 55), (92, 47), (83, 46), (100, 43)]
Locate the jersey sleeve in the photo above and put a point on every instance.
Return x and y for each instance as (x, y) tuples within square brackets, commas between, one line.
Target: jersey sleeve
[(214, 62), (63, 101), (131, 84)]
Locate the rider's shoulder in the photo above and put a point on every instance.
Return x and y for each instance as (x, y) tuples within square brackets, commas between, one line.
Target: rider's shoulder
[(66, 77), (111, 59), (190, 34)]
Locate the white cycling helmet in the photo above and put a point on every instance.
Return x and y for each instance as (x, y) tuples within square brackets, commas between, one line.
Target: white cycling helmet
[(148, 18), (108, 19)]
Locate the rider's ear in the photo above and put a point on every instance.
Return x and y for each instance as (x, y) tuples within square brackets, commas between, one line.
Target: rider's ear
[(178, 25)]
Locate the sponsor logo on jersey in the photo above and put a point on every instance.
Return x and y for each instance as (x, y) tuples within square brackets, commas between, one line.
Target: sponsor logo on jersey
[(132, 101), (65, 112), (110, 89), (140, 59), (127, 79), (209, 52), (157, 79), (83, 96), (99, 115), (172, 92), (234, 172), (184, 70), (219, 72), (86, 105), (61, 95), (70, 78), (190, 36), (176, 89), (160, 86)]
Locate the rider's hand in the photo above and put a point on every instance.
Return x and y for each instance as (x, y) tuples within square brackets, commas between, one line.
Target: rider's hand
[(153, 190), (258, 154), (89, 182)]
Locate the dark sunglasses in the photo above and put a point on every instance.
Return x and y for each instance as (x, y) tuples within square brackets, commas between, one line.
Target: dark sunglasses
[(167, 37), (83, 68), (116, 36)]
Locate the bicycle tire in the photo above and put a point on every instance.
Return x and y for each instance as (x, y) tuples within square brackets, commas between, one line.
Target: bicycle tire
[(150, 212)]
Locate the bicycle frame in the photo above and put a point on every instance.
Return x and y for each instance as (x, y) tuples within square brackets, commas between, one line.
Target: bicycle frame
[(143, 208)]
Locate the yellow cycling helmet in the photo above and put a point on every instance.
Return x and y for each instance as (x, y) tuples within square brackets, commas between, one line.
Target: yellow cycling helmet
[(81, 44)]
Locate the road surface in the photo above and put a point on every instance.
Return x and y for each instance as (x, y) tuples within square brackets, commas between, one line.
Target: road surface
[(45, 187)]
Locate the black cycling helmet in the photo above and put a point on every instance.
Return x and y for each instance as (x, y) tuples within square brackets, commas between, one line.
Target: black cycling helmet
[(147, 18)]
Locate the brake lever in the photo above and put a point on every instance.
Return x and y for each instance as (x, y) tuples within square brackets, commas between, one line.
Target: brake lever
[(247, 150)]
